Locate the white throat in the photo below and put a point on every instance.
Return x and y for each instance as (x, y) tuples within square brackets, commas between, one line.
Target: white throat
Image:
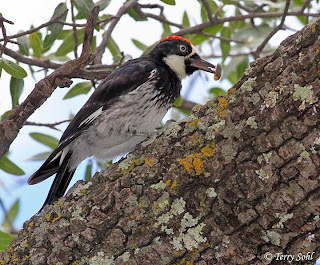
[(176, 63)]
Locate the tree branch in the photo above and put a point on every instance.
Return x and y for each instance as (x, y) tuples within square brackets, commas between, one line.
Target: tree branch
[(74, 30), (6, 39), (236, 182), (10, 127), (208, 10), (49, 125), (273, 32), (198, 28)]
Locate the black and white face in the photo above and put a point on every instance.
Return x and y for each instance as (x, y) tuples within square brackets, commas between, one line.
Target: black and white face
[(178, 59), (182, 56)]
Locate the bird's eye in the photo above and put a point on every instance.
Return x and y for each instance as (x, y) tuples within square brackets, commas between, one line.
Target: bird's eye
[(183, 48)]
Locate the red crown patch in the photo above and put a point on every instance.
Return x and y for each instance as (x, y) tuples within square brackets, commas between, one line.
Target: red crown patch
[(176, 37)]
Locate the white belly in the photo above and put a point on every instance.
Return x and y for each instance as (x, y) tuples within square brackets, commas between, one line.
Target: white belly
[(112, 133)]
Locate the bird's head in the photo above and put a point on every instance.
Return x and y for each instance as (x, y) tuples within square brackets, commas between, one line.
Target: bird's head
[(182, 57)]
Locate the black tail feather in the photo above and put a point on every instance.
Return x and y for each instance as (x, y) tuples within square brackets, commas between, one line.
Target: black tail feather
[(61, 181), (48, 168)]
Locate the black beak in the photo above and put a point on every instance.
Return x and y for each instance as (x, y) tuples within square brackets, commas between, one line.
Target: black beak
[(197, 62)]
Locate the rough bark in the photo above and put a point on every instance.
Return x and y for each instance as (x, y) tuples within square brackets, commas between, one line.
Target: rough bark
[(236, 180)]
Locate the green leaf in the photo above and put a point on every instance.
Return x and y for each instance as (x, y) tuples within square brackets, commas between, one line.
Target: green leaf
[(242, 66), (214, 29), (169, 2), (5, 115), (303, 20), (45, 139), (139, 45), (114, 49), (213, 6), (185, 20), (12, 213), (68, 42), (78, 89), (166, 30), (88, 174), (52, 56), (132, 12), (5, 240), (203, 13), (16, 88), (0, 67), (103, 4), (217, 91), (40, 156), (84, 7), (13, 69), (178, 102), (197, 39), (234, 70), (56, 28), (36, 43), (225, 45), (24, 44), (8, 166)]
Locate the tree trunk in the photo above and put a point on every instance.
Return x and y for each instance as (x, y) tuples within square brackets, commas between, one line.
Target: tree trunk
[(237, 182)]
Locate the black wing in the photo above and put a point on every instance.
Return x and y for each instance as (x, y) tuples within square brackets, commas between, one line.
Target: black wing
[(126, 78)]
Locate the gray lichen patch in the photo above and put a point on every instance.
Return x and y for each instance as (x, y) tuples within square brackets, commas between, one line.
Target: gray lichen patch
[(101, 259), (303, 93), (159, 186), (248, 84), (229, 152), (81, 189), (211, 193), (190, 239), (251, 122), (213, 129), (272, 237), (283, 219)]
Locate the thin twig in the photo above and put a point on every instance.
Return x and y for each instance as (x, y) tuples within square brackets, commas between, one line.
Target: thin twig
[(249, 9), (74, 30), (217, 13), (101, 48), (187, 104), (208, 10), (52, 21), (163, 20), (236, 54), (153, 6), (274, 31), (50, 125), (200, 27), (220, 38), (47, 64), (4, 34), (305, 5)]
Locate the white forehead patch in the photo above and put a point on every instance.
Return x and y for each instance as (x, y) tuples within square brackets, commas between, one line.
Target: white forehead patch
[(176, 63)]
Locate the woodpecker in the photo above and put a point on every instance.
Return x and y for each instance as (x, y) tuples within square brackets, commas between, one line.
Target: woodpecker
[(124, 109)]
